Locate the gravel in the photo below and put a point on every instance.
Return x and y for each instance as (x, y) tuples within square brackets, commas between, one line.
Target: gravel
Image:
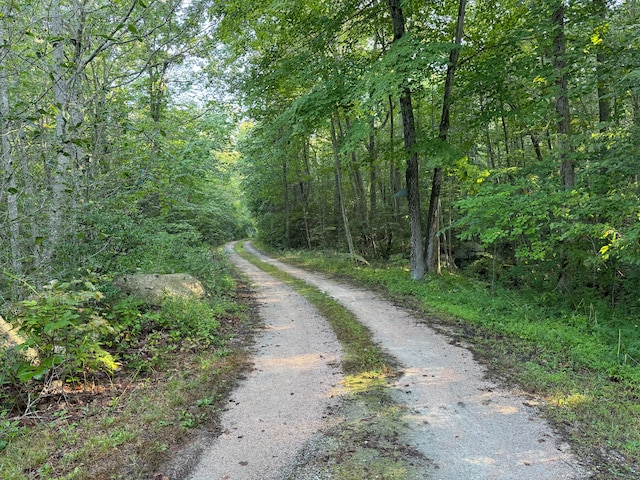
[(281, 404)]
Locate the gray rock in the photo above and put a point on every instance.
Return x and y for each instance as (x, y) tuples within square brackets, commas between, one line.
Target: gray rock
[(155, 288)]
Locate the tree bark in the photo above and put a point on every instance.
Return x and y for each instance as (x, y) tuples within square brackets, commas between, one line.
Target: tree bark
[(567, 169), (11, 184), (339, 192), (433, 241), (287, 206), (417, 260)]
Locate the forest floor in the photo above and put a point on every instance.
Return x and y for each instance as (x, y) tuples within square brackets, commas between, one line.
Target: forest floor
[(438, 415)]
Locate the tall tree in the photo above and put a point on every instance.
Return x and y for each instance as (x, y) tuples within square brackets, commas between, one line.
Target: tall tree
[(417, 260), (433, 242), (567, 169), (9, 183)]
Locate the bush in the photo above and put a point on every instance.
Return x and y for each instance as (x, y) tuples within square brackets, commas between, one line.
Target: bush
[(66, 329), (189, 319)]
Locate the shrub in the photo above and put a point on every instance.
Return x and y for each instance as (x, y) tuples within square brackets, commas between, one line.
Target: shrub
[(66, 329), (189, 319)]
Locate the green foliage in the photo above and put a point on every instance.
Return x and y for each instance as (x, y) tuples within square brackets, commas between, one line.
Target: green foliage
[(189, 319), (9, 429), (66, 329)]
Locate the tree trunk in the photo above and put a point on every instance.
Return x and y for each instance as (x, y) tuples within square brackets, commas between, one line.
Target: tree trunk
[(395, 179), (535, 141), (604, 102), (357, 180), (417, 261), (60, 175), (567, 171), (373, 180), (339, 192), (433, 242), (287, 206), (11, 184)]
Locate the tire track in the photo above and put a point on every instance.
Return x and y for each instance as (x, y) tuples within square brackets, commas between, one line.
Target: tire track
[(470, 427)]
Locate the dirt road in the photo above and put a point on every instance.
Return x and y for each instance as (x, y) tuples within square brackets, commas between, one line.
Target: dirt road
[(467, 426)]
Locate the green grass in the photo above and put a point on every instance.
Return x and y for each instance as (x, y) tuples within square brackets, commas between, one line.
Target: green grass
[(580, 361)]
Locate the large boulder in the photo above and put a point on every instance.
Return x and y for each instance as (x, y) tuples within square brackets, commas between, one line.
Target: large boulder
[(155, 288)]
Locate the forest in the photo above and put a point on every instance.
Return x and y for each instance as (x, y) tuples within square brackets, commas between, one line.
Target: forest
[(449, 130), (496, 140)]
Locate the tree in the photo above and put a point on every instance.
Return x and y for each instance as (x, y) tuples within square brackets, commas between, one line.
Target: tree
[(433, 241), (10, 183), (567, 169), (417, 261)]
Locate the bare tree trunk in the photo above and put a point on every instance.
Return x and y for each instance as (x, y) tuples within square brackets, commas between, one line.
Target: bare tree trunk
[(505, 133), (535, 141), (373, 180), (433, 242), (417, 260), (395, 180), (287, 206), (60, 178), (305, 190), (10, 184), (358, 181)]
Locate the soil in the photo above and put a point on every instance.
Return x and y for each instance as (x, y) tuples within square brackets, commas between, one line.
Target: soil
[(293, 418)]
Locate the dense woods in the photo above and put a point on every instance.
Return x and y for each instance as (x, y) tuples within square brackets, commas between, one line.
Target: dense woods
[(501, 136), (497, 137), (108, 164), (493, 139)]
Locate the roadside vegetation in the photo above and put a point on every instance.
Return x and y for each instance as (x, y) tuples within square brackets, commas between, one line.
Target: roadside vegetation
[(576, 359), (121, 399)]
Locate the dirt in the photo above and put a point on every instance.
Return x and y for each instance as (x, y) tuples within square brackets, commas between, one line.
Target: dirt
[(441, 418)]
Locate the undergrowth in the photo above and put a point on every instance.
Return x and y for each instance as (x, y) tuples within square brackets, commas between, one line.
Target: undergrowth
[(579, 357), (116, 383)]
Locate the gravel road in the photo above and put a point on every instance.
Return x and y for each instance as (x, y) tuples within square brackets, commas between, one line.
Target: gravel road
[(467, 426)]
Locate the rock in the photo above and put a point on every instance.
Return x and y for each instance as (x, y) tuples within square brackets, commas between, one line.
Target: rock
[(155, 288), (10, 337)]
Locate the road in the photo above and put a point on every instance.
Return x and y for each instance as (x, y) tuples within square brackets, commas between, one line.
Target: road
[(466, 425)]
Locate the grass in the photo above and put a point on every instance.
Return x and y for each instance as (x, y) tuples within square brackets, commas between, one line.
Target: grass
[(366, 442), (578, 361)]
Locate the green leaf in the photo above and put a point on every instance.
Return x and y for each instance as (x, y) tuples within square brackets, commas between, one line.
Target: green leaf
[(49, 327)]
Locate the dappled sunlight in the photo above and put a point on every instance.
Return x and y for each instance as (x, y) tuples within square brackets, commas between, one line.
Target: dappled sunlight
[(364, 381), (307, 361), (572, 400), (503, 409)]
